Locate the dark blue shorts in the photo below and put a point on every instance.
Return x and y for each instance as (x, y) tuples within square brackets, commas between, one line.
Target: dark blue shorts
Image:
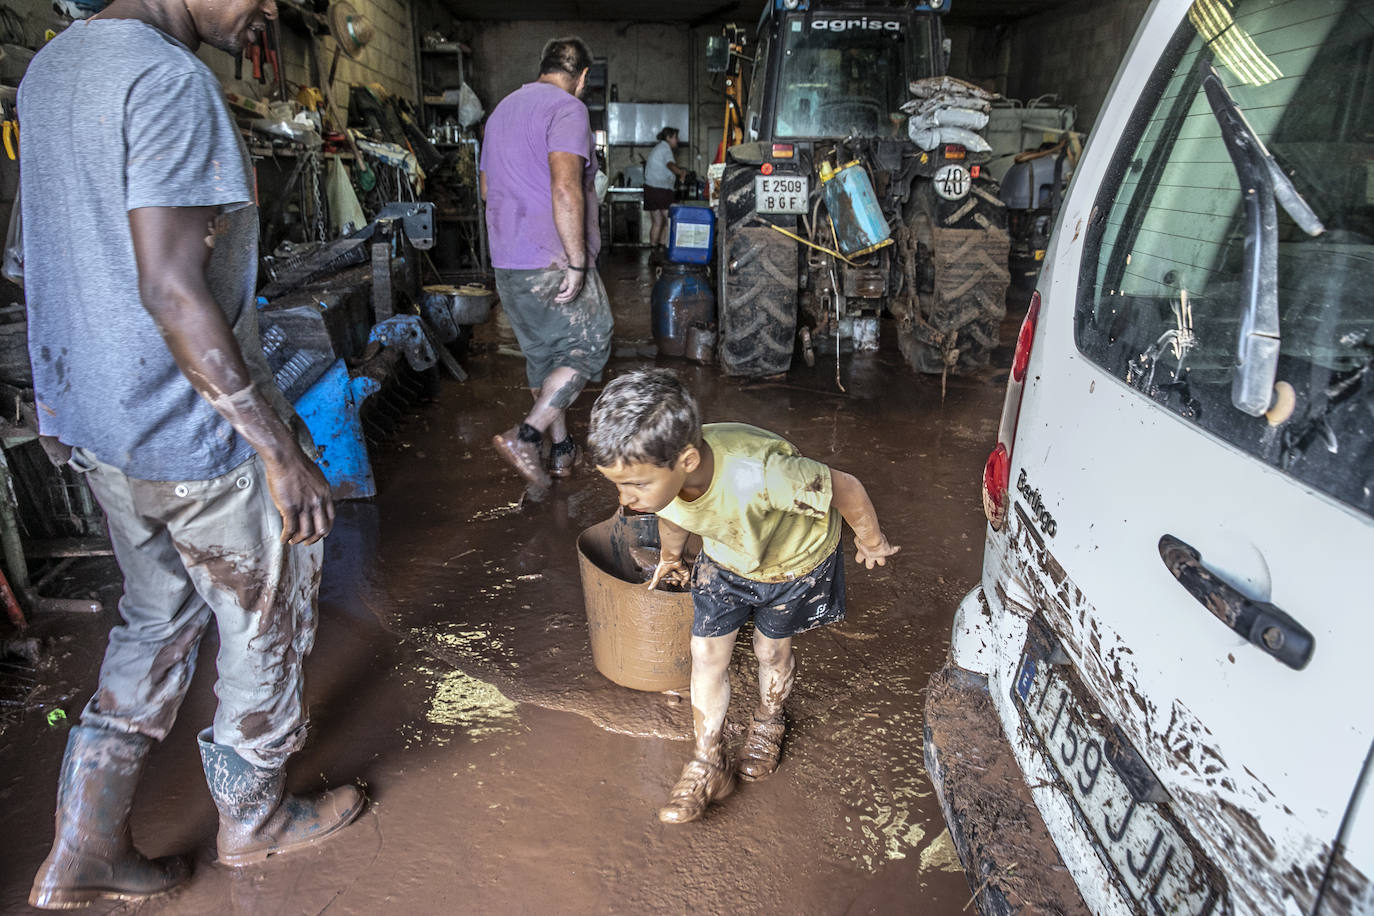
[(724, 601)]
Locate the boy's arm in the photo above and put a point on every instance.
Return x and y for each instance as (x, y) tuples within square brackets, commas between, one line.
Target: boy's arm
[(850, 497), (671, 540)]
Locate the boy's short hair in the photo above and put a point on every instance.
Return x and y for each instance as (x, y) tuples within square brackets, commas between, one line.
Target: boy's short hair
[(643, 417)]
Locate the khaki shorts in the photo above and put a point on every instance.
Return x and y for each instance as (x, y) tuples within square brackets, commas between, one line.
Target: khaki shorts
[(574, 335)]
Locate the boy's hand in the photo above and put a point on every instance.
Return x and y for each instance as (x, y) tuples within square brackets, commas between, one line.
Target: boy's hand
[(876, 554), (669, 572)]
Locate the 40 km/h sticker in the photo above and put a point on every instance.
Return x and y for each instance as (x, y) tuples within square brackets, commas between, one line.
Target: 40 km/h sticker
[(952, 182)]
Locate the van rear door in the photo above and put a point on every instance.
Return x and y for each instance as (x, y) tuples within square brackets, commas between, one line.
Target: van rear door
[(1199, 573)]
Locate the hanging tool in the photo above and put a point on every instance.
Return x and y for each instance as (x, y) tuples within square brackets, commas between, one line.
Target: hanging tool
[(255, 55), (274, 58), (10, 130)]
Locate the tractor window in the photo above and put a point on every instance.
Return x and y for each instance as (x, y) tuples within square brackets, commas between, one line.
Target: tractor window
[(846, 76), (1166, 298), (758, 87)]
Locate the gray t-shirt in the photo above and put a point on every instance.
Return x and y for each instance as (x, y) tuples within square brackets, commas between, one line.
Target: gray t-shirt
[(118, 115)]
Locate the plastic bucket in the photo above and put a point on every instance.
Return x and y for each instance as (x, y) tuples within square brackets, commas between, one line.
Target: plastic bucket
[(640, 639)]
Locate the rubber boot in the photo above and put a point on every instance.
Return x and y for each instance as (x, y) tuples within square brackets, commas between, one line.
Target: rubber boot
[(93, 855), (258, 818)]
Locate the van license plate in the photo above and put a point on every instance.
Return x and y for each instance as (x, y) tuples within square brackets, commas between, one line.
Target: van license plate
[(1135, 838), (781, 193)]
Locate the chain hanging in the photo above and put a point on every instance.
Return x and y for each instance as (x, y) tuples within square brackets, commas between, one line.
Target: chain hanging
[(319, 231)]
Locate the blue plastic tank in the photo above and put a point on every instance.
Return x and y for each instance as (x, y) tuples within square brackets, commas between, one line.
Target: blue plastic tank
[(853, 207), (691, 233), (682, 297)]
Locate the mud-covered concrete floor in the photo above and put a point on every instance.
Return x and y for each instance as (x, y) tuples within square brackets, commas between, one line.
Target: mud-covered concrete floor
[(453, 677)]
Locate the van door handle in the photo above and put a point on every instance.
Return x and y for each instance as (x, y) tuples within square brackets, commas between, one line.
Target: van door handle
[(1260, 622)]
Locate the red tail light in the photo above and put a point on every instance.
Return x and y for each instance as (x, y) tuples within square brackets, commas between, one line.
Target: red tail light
[(996, 483), (954, 151), (997, 472), (782, 151), (1025, 339)]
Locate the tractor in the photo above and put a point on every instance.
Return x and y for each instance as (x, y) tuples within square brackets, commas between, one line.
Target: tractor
[(835, 90)]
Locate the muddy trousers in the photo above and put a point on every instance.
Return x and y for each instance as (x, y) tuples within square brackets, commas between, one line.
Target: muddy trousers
[(191, 551)]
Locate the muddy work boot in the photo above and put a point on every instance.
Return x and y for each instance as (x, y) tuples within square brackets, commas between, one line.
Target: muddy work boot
[(258, 818), (93, 855), (563, 458), (519, 446), (758, 757), (706, 778)]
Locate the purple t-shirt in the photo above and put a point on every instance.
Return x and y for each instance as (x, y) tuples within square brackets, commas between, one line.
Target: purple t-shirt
[(531, 122)]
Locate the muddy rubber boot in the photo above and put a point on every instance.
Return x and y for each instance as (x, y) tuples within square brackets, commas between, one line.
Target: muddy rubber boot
[(93, 855), (258, 818), (706, 778), (522, 455), (563, 458), (758, 757)]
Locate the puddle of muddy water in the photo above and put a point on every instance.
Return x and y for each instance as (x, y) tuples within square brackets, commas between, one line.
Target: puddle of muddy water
[(459, 707)]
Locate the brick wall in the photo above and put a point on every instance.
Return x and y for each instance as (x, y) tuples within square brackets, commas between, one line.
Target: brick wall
[(389, 59), (1073, 51)]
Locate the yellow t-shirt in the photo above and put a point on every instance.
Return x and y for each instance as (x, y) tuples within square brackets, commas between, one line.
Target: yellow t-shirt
[(767, 514)]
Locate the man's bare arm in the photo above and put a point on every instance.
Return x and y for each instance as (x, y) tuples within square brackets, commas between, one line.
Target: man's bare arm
[(849, 496), (569, 215), (172, 247)]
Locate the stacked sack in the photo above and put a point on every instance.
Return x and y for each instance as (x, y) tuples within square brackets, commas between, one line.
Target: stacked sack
[(947, 110)]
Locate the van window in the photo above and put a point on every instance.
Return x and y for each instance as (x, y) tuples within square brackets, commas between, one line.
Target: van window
[(1164, 298)]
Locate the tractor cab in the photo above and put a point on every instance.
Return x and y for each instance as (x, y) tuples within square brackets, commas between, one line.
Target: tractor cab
[(840, 70)]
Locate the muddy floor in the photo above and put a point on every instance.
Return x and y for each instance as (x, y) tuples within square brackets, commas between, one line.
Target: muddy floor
[(453, 678)]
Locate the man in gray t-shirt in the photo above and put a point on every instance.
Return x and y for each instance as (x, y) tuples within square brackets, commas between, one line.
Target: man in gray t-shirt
[(140, 243)]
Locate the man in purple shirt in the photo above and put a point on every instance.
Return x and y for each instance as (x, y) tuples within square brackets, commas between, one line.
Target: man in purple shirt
[(538, 170)]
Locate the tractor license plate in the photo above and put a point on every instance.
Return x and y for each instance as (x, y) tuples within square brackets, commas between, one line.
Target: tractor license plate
[(1142, 845), (781, 193)]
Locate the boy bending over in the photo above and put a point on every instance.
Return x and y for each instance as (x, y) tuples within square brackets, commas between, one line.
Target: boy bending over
[(769, 520)]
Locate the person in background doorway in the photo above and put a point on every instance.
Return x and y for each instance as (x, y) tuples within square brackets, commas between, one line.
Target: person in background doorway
[(140, 244), (538, 176), (770, 523), (661, 172)]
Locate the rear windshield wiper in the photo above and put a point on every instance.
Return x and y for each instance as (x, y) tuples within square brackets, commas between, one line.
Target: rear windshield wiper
[(1262, 182)]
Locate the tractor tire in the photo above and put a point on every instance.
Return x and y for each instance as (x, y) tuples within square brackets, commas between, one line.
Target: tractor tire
[(968, 246), (757, 286)]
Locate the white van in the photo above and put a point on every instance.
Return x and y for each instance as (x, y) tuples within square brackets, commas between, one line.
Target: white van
[(1160, 698)]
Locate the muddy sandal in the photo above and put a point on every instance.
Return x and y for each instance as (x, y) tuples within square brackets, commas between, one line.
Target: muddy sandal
[(758, 758), (701, 783)]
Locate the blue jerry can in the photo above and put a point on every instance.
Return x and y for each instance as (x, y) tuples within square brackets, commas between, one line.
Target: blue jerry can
[(853, 208), (691, 233)]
